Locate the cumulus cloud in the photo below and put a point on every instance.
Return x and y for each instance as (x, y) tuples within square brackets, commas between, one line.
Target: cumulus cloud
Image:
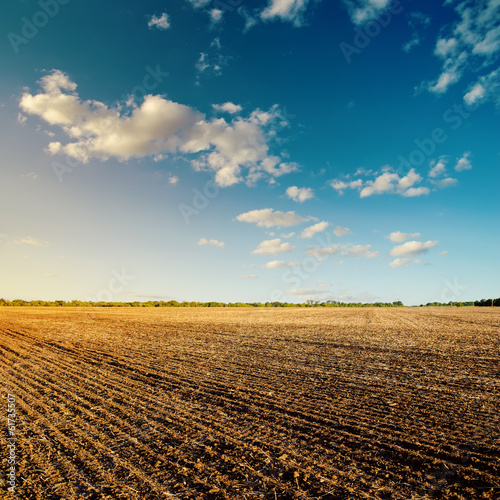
[(341, 231), (438, 169), (390, 182), (310, 231), (286, 10), (228, 107), (158, 127), (267, 217), (299, 194), (278, 264), (159, 22), (473, 39), (412, 249), (273, 247), (341, 186), (215, 243), (173, 179), (21, 119), (399, 237), (400, 262), (463, 163)]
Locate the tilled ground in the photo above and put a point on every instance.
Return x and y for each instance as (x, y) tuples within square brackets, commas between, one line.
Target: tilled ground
[(252, 403)]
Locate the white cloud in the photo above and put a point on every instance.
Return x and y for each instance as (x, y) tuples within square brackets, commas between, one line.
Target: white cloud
[(278, 264), (199, 3), (384, 183), (463, 163), (162, 22), (288, 235), (409, 180), (474, 39), (476, 93), (216, 15), (399, 237), (341, 231), (173, 179), (359, 251), (21, 119), (157, 128), (416, 192), (362, 11), (320, 252), (215, 243), (273, 247), (249, 276), (310, 231), (31, 241), (267, 217), (401, 262), (486, 86), (347, 250), (227, 107), (412, 248), (442, 254), (341, 186), (299, 194), (286, 10), (438, 169), (444, 183)]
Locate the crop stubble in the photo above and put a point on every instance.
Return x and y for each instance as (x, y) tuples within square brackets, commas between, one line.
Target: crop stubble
[(253, 403)]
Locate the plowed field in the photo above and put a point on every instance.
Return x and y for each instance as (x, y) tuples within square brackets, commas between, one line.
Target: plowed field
[(252, 403)]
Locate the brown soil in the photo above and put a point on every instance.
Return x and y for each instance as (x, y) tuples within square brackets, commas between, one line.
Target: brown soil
[(252, 403)]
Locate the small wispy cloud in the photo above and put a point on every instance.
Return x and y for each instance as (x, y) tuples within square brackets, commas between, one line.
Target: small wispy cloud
[(227, 107), (215, 243), (159, 22), (341, 231), (32, 241)]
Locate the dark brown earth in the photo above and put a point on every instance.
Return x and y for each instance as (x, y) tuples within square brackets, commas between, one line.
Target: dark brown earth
[(159, 403)]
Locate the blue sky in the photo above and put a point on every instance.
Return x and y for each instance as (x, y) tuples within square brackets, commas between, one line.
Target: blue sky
[(250, 150)]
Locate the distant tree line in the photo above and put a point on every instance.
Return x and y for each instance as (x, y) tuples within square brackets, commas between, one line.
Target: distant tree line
[(174, 303), (477, 303)]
